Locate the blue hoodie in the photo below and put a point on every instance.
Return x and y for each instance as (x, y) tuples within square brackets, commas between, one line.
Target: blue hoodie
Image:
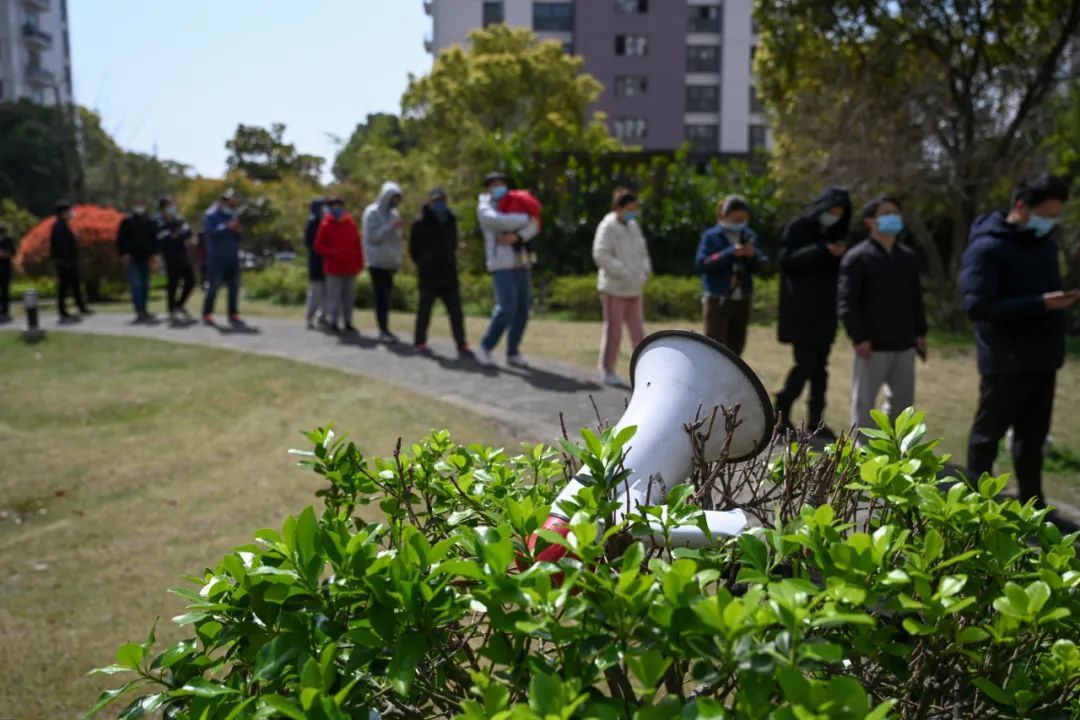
[(1006, 270), (222, 242), (716, 262)]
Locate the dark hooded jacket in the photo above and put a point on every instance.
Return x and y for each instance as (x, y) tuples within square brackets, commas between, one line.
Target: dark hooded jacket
[(433, 247), (808, 271), (1005, 273), (315, 261), (137, 237), (63, 247)]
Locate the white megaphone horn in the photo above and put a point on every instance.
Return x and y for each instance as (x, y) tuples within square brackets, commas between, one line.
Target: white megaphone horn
[(676, 376)]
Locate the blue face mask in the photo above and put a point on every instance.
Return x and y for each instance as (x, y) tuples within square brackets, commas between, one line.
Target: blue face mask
[(441, 210), (499, 192), (1040, 225), (733, 227), (630, 215), (337, 212), (890, 225)]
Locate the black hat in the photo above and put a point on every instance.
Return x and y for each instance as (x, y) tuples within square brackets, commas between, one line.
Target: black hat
[(334, 200), (493, 177), (436, 193), (164, 201), (62, 206)]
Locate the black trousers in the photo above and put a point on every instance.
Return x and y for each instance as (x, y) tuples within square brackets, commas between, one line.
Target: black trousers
[(382, 282), (811, 366), (180, 282), (68, 283), (726, 321), (450, 294), (5, 288), (1025, 403)]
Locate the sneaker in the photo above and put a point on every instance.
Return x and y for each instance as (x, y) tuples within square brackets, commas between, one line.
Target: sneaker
[(207, 319), (614, 380), (349, 327), (465, 353), (518, 361), (422, 348), (483, 357), (235, 320), (387, 337), (310, 324), (85, 311), (333, 327), (184, 314)]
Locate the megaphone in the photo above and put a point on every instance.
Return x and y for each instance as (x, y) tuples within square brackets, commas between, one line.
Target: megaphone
[(677, 377)]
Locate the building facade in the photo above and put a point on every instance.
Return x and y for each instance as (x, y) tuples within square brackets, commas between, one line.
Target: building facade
[(673, 71), (35, 51)]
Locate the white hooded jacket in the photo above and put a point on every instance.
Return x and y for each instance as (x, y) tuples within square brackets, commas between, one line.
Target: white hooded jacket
[(383, 246)]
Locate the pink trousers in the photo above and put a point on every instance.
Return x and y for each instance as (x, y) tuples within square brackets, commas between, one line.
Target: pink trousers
[(617, 311)]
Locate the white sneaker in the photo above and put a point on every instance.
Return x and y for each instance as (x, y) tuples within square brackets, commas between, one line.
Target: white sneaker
[(483, 357), (518, 361), (614, 380)]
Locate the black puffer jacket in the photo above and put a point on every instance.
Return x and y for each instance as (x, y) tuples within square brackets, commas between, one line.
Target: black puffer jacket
[(137, 237), (63, 247), (880, 296), (433, 247), (808, 271), (315, 260)]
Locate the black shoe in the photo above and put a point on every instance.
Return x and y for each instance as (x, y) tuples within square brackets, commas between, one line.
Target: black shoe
[(349, 327), (333, 327), (85, 311)]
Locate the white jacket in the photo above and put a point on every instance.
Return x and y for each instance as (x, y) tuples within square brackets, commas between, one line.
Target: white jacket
[(493, 224), (383, 245), (620, 252)]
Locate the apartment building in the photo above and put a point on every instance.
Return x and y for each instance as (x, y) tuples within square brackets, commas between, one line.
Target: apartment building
[(674, 71), (35, 51)]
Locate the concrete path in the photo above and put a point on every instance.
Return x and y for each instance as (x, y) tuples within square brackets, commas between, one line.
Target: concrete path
[(526, 402)]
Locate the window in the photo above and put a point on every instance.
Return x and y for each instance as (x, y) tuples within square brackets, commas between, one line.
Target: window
[(703, 138), (63, 9), (632, 45), (632, 7), (631, 85), (67, 45), (632, 128), (756, 106), (702, 58), (757, 137), (704, 18), (553, 16), (494, 13), (67, 78), (30, 19), (702, 98)]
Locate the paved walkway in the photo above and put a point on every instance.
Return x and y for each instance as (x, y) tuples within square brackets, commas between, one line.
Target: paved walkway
[(526, 402)]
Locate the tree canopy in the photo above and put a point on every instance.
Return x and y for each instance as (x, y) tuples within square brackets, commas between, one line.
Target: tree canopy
[(263, 155)]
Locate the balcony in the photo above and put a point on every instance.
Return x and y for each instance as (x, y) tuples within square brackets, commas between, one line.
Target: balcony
[(429, 8), (38, 4), (429, 46), (40, 77), (37, 38)]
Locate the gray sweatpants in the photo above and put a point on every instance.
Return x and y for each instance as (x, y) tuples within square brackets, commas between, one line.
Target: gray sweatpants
[(340, 298), (894, 370), (315, 293)]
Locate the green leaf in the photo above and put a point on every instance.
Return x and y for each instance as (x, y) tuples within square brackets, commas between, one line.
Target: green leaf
[(992, 691), (110, 696), (914, 627), (408, 652), (200, 687), (276, 703), (933, 544), (1037, 593), (547, 696), (971, 635), (648, 666), (950, 585), (130, 655)]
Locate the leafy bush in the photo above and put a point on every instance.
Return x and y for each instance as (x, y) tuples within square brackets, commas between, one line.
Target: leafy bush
[(869, 592), (95, 229)]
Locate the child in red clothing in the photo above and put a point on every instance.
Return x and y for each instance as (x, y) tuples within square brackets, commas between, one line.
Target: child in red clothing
[(522, 201)]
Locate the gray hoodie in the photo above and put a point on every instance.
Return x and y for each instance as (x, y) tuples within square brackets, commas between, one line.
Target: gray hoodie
[(493, 224), (383, 247)]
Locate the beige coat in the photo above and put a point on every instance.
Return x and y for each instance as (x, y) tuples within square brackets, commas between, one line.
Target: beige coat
[(620, 252)]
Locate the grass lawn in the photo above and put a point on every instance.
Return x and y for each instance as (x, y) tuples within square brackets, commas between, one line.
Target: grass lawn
[(127, 464)]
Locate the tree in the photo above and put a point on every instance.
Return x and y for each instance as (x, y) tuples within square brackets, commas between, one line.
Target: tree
[(941, 100), (33, 171), (263, 155), (380, 130)]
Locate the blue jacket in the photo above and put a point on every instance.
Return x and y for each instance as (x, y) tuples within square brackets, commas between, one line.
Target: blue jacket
[(717, 263), (1006, 270), (222, 243)]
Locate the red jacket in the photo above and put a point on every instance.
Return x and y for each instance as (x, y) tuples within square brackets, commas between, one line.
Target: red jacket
[(521, 201), (338, 242)]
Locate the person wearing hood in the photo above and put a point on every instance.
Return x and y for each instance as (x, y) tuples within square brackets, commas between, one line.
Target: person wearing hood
[(510, 271), (64, 253), (1011, 284), (137, 244), (316, 275), (433, 242), (727, 258), (338, 242), (880, 303), (384, 249), (173, 235), (810, 250), (223, 230), (7, 253)]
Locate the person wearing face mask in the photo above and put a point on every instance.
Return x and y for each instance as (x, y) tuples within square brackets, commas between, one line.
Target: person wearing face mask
[(338, 243), (316, 274), (173, 236), (810, 250), (64, 253), (137, 244), (384, 249), (880, 302), (727, 257), (433, 242), (622, 256), (223, 230), (1012, 290)]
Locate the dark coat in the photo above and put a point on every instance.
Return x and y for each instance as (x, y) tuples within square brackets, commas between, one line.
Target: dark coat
[(716, 261), (63, 248), (880, 297), (808, 272), (433, 247), (7, 246), (137, 237), (1005, 273), (173, 235), (315, 261)]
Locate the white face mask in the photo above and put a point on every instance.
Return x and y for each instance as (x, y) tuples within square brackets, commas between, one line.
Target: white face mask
[(827, 219)]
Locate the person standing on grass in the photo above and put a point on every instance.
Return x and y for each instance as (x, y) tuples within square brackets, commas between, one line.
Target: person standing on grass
[(173, 235), (433, 242), (64, 253), (1012, 289), (137, 244), (338, 242), (223, 231), (881, 305), (510, 271), (622, 257), (384, 249), (7, 252), (810, 250), (727, 258), (316, 275)]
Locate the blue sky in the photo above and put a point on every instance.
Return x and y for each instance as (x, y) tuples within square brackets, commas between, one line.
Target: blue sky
[(182, 74)]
